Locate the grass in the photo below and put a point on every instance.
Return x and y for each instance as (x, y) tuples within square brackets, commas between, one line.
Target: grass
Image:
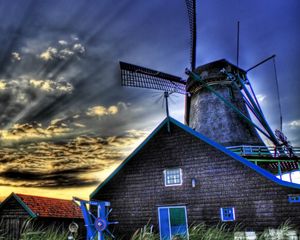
[(203, 232), (196, 232), (219, 232), (281, 233), (30, 231), (145, 233)]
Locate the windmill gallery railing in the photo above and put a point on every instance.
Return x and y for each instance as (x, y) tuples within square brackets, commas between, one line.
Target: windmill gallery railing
[(262, 151), (276, 160)]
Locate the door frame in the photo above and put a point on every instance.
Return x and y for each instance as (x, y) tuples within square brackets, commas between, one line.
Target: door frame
[(168, 207)]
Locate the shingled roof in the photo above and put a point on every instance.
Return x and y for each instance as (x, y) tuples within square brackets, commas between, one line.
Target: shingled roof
[(38, 206)]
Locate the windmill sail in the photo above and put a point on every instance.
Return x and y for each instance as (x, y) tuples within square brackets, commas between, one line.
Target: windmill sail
[(141, 77), (191, 7)]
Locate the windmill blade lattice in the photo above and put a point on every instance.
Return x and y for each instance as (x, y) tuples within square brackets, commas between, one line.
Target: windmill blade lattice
[(191, 8), (141, 77)]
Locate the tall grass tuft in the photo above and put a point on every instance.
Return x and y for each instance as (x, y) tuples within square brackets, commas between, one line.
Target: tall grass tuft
[(203, 232), (30, 231), (281, 233), (145, 233)]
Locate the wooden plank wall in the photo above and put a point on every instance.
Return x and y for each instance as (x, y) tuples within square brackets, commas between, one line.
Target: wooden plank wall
[(12, 217)]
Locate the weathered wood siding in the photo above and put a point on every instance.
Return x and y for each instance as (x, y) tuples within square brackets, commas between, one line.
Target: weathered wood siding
[(138, 189), (12, 217)]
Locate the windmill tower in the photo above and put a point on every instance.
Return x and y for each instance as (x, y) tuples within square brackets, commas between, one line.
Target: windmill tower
[(217, 96), (209, 115)]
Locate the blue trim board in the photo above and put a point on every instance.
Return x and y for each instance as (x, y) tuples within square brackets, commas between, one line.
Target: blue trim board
[(198, 135), (32, 214)]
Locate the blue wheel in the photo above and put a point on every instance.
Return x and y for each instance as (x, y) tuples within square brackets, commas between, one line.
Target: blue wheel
[(100, 224)]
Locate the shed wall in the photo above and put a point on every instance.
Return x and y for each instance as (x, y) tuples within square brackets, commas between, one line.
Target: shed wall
[(12, 217)]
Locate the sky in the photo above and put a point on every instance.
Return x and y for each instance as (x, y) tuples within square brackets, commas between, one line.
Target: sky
[(65, 120)]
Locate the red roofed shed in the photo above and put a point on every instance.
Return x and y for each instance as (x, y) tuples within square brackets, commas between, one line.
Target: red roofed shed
[(17, 208)]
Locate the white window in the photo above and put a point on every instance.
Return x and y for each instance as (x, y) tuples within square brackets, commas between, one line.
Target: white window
[(173, 177)]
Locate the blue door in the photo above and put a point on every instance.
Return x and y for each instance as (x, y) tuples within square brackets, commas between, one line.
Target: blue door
[(172, 222)]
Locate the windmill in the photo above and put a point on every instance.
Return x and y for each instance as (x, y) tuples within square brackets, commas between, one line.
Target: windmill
[(218, 96)]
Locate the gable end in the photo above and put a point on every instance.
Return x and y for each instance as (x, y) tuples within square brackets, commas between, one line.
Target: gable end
[(198, 135)]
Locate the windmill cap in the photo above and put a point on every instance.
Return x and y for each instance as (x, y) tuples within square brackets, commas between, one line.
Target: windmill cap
[(212, 74), (218, 65)]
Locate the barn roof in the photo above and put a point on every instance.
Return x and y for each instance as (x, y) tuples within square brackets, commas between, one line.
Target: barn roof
[(198, 135), (37, 206)]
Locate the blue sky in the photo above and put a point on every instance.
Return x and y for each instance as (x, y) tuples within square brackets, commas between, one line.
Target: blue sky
[(60, 80)]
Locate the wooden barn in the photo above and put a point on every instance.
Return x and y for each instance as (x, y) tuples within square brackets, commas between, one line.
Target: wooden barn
[(44, 211), (177, 177)]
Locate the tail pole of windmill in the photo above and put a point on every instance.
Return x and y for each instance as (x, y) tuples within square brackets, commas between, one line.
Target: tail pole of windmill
[(218, 99)]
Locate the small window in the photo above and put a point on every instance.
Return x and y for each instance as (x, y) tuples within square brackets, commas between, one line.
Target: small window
[(173, 177), (294, 199), (227, 214)]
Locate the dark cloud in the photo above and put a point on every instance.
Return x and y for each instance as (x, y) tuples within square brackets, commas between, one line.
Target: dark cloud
[(66, 163), (63, 178)]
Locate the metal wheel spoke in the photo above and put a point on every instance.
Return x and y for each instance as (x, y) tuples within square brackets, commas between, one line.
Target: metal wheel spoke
[(109, 232)]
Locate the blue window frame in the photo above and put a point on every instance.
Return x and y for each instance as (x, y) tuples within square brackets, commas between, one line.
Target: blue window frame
[(294, 199), (172, 222), (227, 214)]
